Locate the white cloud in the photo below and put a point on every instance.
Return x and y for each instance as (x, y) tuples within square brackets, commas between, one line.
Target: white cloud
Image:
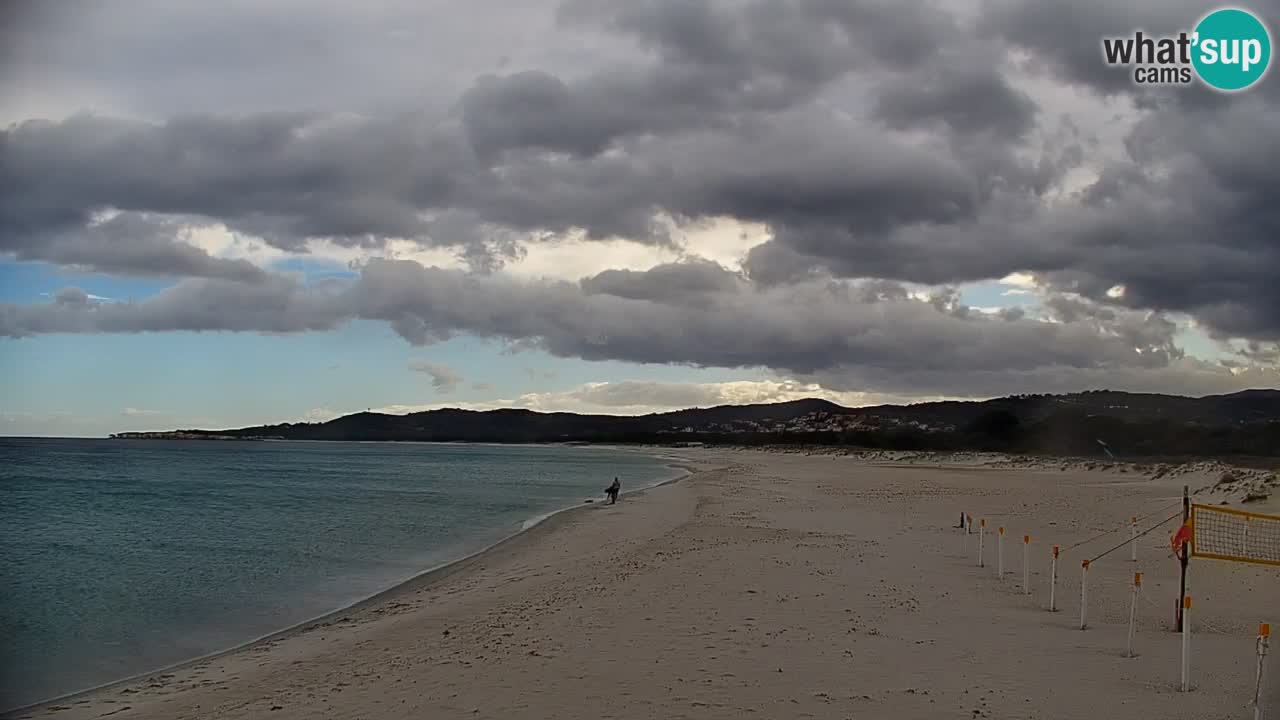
[(405, 409), (220, 242), (321, 414), (636, 397), (567, 256), (443, 378), (1021, 280)]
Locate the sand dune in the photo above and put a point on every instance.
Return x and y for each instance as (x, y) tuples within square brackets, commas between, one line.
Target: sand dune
[(776, 585)]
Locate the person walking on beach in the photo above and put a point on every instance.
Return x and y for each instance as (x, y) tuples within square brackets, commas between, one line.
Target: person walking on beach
[(613, 490)]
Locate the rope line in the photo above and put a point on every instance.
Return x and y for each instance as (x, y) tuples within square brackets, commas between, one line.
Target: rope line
[(1157, 511), (1116, 529), (1144, 532)]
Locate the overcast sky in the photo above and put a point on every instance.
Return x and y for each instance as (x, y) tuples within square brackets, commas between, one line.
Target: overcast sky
[(221, 214)]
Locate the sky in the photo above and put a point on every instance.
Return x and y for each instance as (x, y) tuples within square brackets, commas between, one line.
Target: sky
[(225, 214)]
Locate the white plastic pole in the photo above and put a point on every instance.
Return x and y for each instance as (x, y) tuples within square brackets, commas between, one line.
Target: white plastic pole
[(982, 532), (1186, 643), (1264, 639), (1053, 580), (1133, 538), (1133, 608), (1000, 554), (1026, 565), (1084, 594)]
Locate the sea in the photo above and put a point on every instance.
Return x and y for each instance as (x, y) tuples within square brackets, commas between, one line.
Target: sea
[(123, 557)]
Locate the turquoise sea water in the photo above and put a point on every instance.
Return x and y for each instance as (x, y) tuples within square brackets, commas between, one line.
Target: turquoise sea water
[(120, 557)]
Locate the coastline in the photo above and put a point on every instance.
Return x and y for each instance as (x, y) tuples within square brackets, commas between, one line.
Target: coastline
[(540, 522), (772, 584)]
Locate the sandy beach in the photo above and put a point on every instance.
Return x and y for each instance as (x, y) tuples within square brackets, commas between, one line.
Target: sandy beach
[(774, 585)]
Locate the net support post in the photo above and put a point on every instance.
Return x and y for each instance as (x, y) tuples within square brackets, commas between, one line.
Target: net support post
[(1000, 553), (982, 534), (1026, 564), (1185, 555), (1264, 641), (1133, 539), (1133, 610), (1053, 581), (1186, 643), (1084, 594)]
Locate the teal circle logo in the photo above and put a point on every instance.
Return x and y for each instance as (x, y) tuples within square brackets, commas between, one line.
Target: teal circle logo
[(1231, 49)]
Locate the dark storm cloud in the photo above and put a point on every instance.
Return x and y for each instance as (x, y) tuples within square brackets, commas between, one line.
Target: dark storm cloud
[(967, 92), (290, 176), (1066, 38), (808, 163), (709, 64), (128, 244), (676, 283), (874, 140), (817, 167), (356, 181), (679, 121), (774, 263), (155, 58), (1065, 41), (843, 335), (287, 176), (798, 38), (277, 305), (1186, 222), (534, 109), (1193, 226), (1174, 240), (802, 328)]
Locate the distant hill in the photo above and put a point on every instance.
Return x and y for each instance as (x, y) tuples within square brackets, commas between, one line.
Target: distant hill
[(1131, 424)]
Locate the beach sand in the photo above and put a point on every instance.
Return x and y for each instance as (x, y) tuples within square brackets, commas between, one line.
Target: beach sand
[(771, 585)]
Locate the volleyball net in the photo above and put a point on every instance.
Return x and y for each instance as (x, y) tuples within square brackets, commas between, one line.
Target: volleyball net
[(1227, 534)]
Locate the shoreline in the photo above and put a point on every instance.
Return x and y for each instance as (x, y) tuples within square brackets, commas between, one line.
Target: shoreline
[(418, 581), (762, 583)]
